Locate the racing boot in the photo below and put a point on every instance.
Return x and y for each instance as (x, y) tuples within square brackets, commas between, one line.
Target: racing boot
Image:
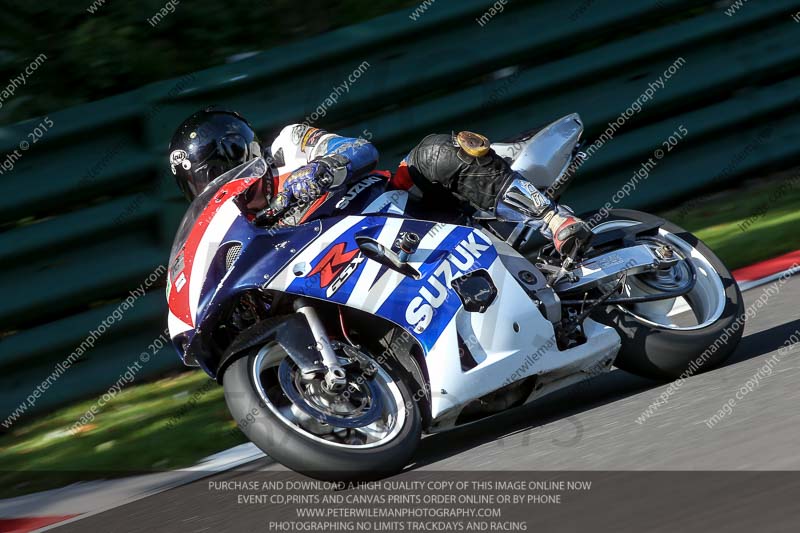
[(521, 201), (570, 234)]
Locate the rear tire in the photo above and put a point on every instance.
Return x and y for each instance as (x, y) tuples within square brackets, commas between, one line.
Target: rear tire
[(664, 353), (290, 447)]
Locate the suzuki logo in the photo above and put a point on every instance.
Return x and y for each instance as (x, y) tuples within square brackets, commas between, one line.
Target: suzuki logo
[(433, 293), (356, 190)]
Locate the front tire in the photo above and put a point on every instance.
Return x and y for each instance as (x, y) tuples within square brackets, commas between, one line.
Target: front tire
[(666, 351), (269, 426)]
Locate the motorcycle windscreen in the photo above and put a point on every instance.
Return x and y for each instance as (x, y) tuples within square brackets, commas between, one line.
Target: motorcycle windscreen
[(252, 169)]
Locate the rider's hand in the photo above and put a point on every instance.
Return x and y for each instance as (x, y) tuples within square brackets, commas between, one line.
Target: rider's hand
[(305, 185), (276, 207), (308, 183)]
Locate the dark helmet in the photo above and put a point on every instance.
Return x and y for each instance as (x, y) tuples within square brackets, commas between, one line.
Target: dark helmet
[(208, 144)]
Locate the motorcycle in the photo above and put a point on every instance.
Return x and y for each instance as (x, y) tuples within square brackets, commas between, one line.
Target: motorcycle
[(339, 341)]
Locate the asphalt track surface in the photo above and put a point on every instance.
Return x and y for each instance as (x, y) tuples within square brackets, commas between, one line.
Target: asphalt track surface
[(593, 427)]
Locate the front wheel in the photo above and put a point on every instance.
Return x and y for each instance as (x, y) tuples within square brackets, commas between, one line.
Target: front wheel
[(667, 339), (370, 429)]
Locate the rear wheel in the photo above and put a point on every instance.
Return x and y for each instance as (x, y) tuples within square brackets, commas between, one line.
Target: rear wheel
[(369, 429), (665, 339)]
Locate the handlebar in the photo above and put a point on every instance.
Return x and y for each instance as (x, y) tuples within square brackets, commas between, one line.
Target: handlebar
[(276, 208)]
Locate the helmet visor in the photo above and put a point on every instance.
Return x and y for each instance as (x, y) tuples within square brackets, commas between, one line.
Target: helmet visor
[(228, 152)]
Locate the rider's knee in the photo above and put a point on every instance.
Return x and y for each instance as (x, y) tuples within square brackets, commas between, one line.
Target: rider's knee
[(440, 159)]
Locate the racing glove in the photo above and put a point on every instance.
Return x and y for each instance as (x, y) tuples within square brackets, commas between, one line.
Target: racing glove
[(308, 183), (305, 185)]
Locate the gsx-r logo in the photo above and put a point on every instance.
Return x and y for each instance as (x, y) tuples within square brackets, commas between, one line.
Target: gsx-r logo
[(336, 267)]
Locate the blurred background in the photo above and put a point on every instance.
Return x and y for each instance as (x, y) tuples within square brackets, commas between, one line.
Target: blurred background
[(91, 92)]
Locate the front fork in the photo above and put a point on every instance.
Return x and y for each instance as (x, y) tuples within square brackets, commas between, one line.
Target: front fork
[(335, 376)]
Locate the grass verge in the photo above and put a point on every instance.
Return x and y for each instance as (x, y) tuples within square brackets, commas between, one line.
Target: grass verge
[(756, 221), (153, 427)]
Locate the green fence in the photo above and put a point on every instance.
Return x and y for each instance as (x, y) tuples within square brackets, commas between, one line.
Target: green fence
[(88, 210)]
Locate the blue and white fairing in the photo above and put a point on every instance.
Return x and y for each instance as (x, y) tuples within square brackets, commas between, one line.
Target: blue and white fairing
[(321, 260), (510, 340)]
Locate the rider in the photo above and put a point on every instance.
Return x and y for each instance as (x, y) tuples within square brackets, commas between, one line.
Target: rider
[(305, 162)]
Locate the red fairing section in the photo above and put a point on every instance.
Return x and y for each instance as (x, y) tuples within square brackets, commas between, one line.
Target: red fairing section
[(179, 289)]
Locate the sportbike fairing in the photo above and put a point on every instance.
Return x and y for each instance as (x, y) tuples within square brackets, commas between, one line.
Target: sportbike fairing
[(220, 253)]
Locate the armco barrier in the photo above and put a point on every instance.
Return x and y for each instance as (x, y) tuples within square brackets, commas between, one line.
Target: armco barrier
[(89, 210)]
